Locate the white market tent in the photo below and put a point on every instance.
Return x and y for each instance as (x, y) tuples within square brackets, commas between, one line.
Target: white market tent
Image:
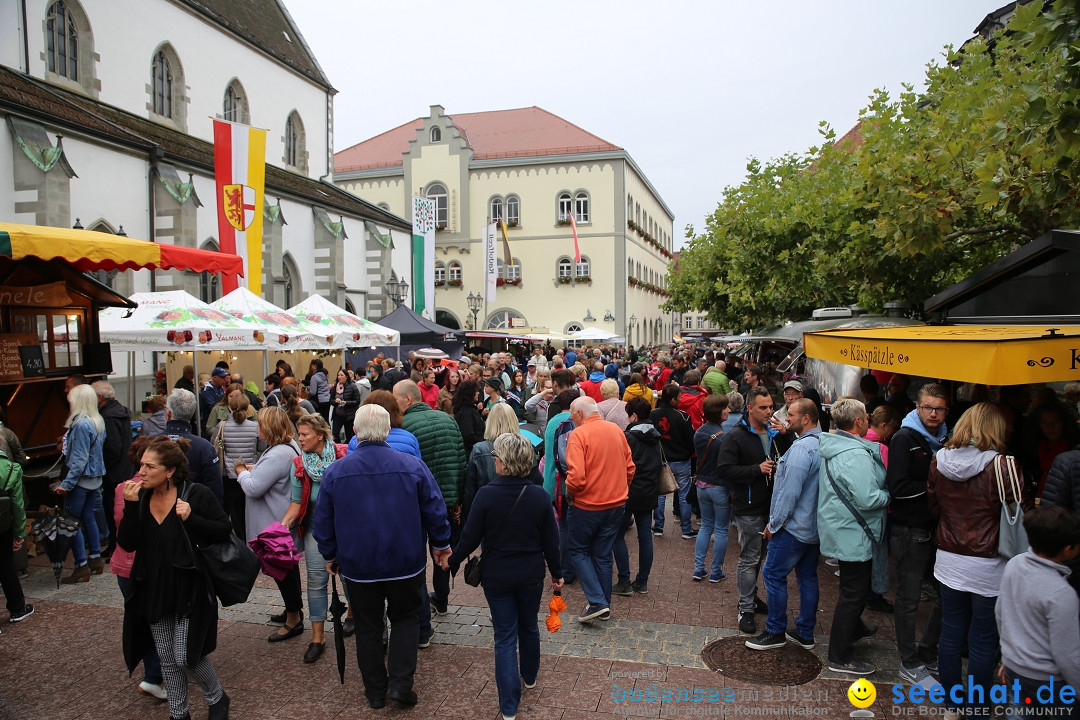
[(282, 330), (174, 320), (354, 330), (592, 333)]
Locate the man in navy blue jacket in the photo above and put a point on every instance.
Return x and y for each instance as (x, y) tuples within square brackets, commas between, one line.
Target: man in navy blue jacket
[(202, 458), (373, 511)]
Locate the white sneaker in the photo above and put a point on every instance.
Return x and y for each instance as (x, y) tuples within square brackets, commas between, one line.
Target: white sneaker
[(832, 562), (154, 691)]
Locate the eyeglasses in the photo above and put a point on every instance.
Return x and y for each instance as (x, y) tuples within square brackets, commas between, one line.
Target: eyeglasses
[(931, 410)]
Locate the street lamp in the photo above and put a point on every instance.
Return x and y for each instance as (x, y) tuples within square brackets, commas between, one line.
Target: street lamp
[(475, 301), (397, 290)]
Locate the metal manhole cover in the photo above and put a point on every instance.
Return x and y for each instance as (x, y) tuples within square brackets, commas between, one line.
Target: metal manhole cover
[(789, 665)]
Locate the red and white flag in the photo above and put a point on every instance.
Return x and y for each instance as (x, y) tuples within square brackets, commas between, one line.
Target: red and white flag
[(240, 172), (577, 248)]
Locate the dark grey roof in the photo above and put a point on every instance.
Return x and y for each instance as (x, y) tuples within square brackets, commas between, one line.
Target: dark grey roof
[(267, 25)]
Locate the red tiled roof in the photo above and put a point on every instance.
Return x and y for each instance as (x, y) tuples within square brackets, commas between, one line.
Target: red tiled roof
[(524, 132)]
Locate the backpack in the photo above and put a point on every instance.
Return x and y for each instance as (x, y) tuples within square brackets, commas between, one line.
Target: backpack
[(562, 435)]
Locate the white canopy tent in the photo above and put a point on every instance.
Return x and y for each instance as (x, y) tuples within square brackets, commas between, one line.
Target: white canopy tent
[(354, 331)]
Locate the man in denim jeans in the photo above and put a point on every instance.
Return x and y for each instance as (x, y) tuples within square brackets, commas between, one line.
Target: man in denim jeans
[(911, 538), (792, 533), (747, 459)]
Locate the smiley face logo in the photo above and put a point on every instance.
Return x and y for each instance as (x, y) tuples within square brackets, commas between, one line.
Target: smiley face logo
[(862, 693)]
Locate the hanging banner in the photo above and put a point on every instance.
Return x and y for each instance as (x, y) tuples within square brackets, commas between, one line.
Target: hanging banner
[(240, 175), (423, 256), (491, 266)]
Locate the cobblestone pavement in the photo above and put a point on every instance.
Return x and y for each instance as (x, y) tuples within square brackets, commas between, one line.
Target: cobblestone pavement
[(65, 661)]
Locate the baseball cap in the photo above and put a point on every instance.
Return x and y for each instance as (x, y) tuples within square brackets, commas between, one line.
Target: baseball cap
[(794, 385), (220, 372)]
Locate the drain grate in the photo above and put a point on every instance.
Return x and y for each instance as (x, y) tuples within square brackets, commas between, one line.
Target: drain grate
[(789, 665)]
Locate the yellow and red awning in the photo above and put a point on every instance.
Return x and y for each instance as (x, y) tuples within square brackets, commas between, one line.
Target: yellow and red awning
[(987, 354), (91, 250)]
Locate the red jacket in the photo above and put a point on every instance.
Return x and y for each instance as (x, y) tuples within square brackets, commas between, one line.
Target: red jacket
[(690, 401), (662, 379)]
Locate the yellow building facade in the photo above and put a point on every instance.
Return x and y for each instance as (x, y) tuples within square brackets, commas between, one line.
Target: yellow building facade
[(532, 170)]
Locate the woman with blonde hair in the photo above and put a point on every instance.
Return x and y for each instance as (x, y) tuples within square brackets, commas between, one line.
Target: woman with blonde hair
[(611, 408), (266, 485), (82, 448), (318, 452), (240, 442), (480, 469), (638, 388), (962, 491)]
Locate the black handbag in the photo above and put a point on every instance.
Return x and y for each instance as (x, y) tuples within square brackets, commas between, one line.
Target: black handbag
[(231, 566), (473, 573)]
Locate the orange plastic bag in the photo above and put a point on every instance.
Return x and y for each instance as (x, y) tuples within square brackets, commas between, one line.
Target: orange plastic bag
[(556, 606)]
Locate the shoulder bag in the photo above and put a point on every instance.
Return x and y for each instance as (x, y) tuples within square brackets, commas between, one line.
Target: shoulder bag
[(1012, 538), (219, 446), (849, 506), (668, 483), (474, 566), (230, 565)]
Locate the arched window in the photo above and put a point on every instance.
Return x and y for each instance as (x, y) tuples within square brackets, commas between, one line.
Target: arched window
[(514, 271), (290, 280), (513, 211), (629, 268), (583, 267), (629, 207), (62, 42), (581, 207), (349, 307), (295, 142), (455, 271), (436, 135), (440, 272), (572, 328), (637, 213), (235, 107), (437, 192), (565, 205), (209, 282), (496, 209), (167, 87), (565, 267), (385, 206), (503, 319)]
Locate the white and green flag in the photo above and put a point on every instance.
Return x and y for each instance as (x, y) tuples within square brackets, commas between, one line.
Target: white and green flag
[(491, 266), (423, 256)]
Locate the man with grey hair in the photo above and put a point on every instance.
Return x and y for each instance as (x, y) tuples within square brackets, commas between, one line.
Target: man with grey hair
[(600, 469), (374, 508), (716, 379), (114, 452), (851, 518), (202, 459)]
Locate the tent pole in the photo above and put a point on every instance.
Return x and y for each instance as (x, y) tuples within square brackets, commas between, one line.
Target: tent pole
[(198, 391), (131, 380)]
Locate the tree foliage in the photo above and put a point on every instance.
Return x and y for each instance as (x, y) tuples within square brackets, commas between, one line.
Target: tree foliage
[(928, 187)]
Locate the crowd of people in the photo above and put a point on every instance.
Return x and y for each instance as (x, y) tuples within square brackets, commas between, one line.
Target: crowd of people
[(547, 460)]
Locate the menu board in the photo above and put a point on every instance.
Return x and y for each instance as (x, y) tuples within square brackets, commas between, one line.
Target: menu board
[(12, 365)]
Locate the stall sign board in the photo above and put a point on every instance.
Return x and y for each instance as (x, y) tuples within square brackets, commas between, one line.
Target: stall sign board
[(13, 364)]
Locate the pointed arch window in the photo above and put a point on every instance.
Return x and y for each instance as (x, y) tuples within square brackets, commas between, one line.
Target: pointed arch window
[(295, 142), (62, 42), (163, 81), (235, 106)]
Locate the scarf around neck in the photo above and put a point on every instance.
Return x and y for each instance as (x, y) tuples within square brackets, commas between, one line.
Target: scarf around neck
[(315, 464)]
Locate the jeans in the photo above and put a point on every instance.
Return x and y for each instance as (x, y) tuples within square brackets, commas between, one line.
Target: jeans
[(967, 618), (681, 469), (786, 553), (440, 579), (913, 550), (879, 578), (645, 546), (592, 541), (513, 619), (401, 601), (317, 579), (658, 513), (752, 548), (569, 574), (80, 503), (715, 504), (847, 624), (151, 662)]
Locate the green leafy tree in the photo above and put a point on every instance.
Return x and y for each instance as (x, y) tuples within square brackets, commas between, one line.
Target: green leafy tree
[(927, 188)]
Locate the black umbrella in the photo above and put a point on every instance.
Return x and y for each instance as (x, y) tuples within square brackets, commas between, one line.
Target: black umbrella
[(54, 530), (337, 609)]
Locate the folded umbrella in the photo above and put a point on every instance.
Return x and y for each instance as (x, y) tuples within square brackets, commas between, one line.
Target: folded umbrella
[(337, 609), (276, 550), (54, 530), (556, 605)]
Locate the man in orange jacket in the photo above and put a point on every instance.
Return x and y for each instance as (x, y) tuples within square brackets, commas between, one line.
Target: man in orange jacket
[(599, 471)]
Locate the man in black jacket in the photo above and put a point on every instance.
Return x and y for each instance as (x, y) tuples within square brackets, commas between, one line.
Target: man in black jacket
[(911, 534), (203, 465), (1063, 488), (115, 452), (748, 456)]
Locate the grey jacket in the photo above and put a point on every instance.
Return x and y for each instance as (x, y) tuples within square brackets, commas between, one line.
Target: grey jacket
[(268, 487), (241, 441)]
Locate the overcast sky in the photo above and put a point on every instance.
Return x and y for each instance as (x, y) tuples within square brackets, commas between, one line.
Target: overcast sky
[(690, 89)]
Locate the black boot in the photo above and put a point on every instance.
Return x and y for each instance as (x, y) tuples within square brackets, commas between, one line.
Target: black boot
[(220, 709)]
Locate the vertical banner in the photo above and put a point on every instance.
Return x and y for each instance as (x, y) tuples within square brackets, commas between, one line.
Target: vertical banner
[(577, 247), (491, 267), (423, 256), (240, 175)]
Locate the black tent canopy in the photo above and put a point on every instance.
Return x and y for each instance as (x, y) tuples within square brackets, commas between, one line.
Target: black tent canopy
[(416, 332)]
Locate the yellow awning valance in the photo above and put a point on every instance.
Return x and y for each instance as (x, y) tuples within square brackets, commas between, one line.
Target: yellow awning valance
[(991, 355)]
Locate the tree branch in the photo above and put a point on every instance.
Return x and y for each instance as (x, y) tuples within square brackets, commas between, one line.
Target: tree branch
[(989, 229)]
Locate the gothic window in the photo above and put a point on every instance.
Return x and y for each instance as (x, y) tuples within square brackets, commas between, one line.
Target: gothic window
[(62, 42), (295, 142), (235, 108)]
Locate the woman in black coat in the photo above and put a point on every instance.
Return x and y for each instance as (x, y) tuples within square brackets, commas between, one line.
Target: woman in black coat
[(344, 398), (170, 604), (469, 419), (644, 442)]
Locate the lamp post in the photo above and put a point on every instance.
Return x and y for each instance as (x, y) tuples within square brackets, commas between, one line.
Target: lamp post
[(475, 301), (397, 290)]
